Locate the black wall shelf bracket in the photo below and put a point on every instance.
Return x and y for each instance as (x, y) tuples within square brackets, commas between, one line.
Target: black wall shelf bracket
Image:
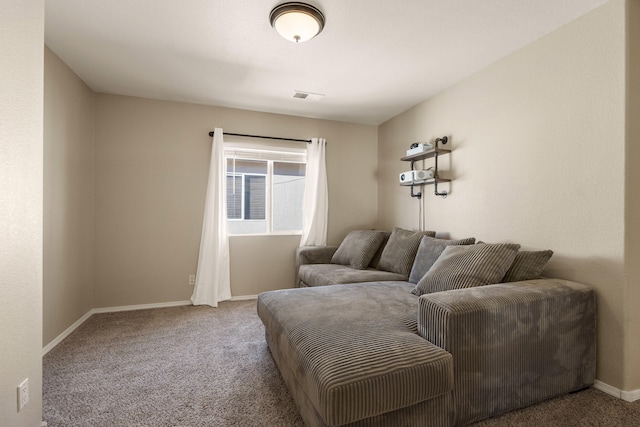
[(418, 195), (443, 194)]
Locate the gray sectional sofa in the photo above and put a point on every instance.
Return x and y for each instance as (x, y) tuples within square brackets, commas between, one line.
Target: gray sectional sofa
[(437, 346)]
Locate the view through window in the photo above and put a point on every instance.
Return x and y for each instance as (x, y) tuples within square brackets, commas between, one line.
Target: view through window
[(264, 191)]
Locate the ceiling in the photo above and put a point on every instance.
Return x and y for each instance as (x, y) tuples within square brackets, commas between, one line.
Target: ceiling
[(374, 59)]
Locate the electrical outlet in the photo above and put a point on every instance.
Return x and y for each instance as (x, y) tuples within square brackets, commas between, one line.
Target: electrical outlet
[(23, 394), (192, 280)]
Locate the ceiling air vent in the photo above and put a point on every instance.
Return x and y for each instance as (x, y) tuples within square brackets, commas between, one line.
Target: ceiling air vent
[(307, 95)]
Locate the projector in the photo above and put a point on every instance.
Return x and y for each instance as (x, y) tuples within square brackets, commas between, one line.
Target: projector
[(406, 177), (422, 175), (416, 177), (419, 148)]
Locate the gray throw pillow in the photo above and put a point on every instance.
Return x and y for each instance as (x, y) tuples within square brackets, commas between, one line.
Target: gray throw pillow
[(428, 252), (376, 258), (468, 266), (358, 248), (400, 250), (527, 265)]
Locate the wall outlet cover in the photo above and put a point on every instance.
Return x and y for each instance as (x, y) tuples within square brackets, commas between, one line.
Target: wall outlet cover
[(23, 394)]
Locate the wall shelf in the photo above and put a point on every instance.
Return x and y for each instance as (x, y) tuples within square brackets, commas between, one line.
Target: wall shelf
[(433, 153), (427, 182), (426, 155)]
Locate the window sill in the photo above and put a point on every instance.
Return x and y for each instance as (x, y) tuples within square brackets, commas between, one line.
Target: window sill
[(283, 233)]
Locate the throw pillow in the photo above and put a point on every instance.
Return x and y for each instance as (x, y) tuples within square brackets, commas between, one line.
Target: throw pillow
[(428, 252), (468, 266), (358, 248), (400, 250), (527, 265), (376, 258)]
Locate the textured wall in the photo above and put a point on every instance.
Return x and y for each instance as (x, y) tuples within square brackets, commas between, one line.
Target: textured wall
[(151, 163), (21, 74), (538, 158), (68, 198)]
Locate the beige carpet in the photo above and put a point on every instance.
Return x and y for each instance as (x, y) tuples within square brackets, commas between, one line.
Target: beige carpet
[(199, 366)]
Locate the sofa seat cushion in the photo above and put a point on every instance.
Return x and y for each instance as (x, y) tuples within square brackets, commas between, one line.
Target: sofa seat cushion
[(355, 348), (333, 274)]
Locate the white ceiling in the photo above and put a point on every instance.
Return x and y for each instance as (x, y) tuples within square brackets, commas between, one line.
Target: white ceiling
[(374, 59)]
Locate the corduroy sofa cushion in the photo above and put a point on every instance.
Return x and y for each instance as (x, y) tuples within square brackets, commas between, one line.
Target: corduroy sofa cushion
[(428, 253), (527, 265), (358, 248), (400, 250), (353, 366), (462, 267), (333, 274)]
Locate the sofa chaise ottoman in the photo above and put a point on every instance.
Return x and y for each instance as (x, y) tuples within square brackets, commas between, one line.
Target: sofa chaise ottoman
[(374, 354)]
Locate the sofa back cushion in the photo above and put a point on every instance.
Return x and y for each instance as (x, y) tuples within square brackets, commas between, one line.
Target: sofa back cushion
[(527, 265), (428, 252), (358, 248), (468, 266), (400, 251)]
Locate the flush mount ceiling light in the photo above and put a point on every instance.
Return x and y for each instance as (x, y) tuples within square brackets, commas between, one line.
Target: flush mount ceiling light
[(297, 22)]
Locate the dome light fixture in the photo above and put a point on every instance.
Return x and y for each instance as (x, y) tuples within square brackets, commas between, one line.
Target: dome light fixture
[(297, 22)]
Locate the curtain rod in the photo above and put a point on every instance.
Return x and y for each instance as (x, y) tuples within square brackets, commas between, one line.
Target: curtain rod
[(308, 141)]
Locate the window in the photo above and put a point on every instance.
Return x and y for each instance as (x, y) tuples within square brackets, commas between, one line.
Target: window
[(264, 191)]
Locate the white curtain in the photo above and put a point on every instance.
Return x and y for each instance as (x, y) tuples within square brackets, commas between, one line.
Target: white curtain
[(213, 283), (315, 201)]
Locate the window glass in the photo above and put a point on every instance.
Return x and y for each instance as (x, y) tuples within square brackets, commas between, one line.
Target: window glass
[(255, 197), (264, 196), (234, 197), (247, 166), (288, 188)]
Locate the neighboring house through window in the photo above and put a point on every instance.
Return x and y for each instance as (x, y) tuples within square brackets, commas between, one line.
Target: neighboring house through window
[(264, 190)]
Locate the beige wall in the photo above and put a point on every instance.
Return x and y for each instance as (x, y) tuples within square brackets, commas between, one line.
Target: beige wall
[(538, 143), (151, 163), (21, 74), (632, 259), (68, 198)]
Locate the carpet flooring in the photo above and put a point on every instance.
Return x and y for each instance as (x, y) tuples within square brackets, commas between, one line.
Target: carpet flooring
[(199, 366)]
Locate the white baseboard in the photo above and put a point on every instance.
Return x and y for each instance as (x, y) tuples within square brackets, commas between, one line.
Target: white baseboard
[(66, 333), (84, 318), (140, 307), (629, 396), (244, 297), (93, 311)]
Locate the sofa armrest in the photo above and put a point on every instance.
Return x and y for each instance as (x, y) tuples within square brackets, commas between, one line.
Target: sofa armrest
[(513, 344), (313, 255)]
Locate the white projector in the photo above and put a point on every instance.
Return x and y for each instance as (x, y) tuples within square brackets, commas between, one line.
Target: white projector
[(416, 177), (419, 148), (422, 175), (406, 177)]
